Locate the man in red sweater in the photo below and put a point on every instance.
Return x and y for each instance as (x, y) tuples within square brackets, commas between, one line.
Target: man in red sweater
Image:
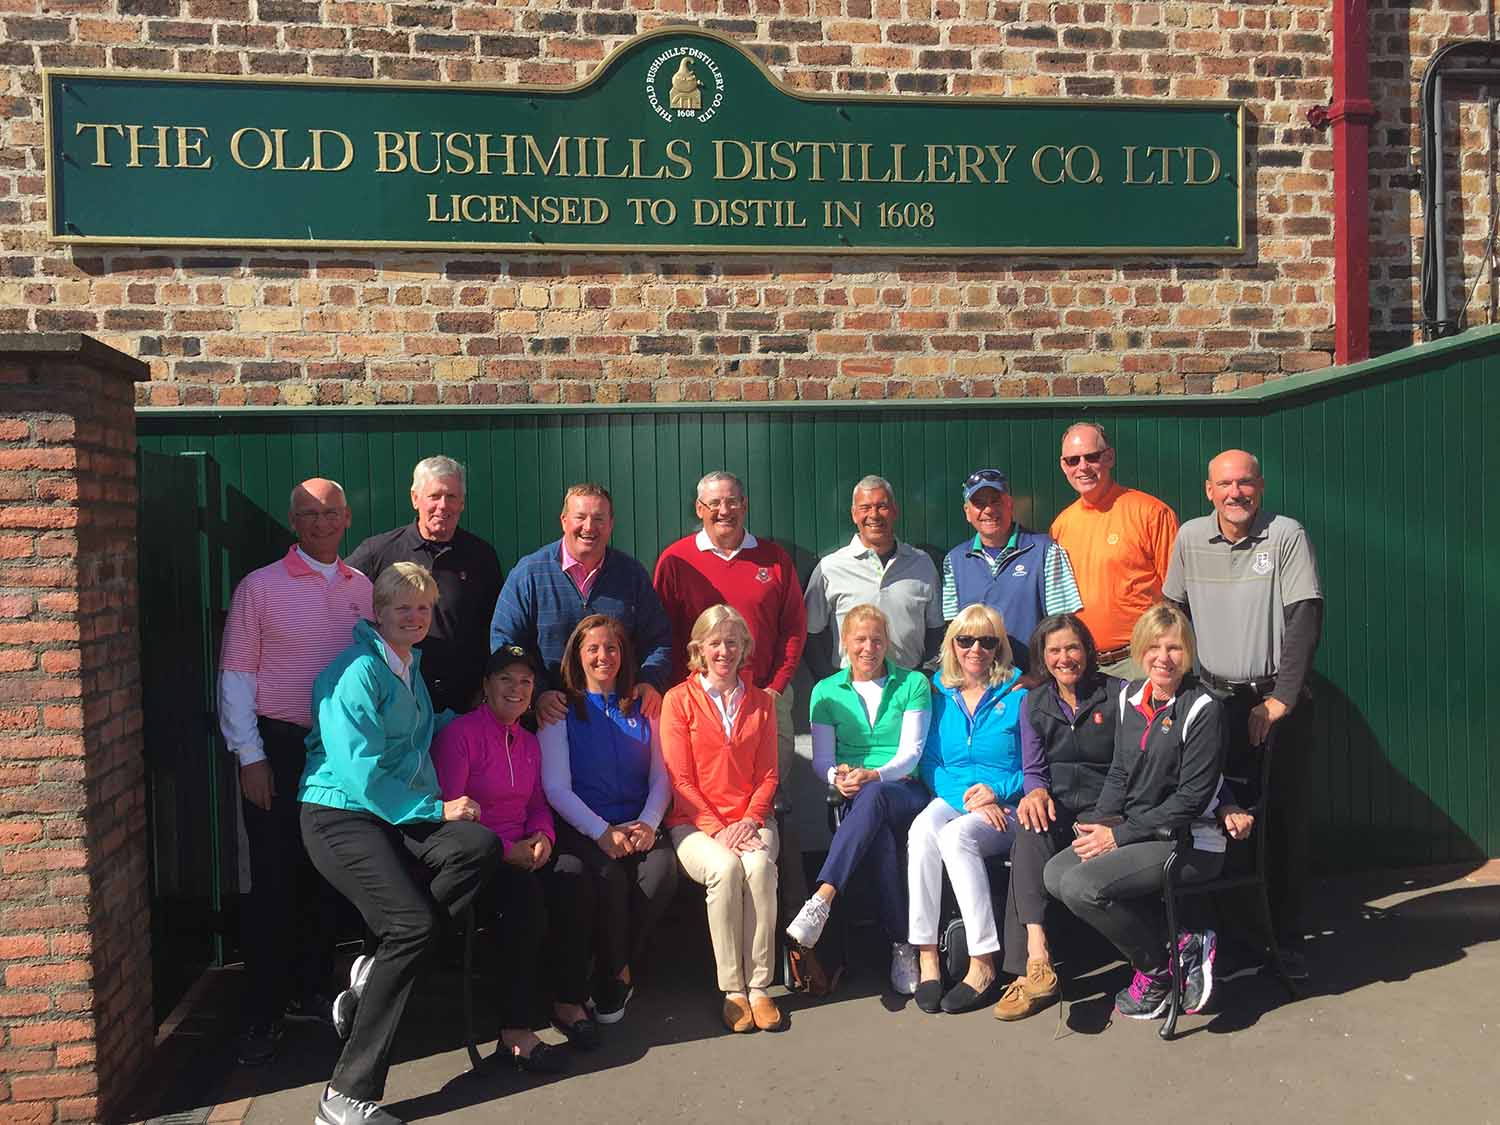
[(725, 564)]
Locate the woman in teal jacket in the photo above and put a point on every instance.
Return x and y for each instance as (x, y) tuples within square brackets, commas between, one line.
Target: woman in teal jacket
[(370, 807), (972, 763)]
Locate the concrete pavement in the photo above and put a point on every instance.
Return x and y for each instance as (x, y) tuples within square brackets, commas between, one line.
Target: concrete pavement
[(1401, 1023)]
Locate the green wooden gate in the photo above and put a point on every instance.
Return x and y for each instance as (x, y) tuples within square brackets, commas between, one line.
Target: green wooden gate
[(1387, 463)]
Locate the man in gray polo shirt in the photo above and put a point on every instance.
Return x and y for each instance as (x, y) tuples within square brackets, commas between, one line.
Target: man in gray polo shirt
[(1250, 582), (875, 569)]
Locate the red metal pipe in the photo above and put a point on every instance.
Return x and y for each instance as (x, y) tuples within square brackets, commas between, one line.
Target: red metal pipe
[(1350, 115)]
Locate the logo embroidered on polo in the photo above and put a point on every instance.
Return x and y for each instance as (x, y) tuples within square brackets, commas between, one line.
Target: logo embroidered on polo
[(763, 575), (1112, 538), (1262, 563), (1020, 571)]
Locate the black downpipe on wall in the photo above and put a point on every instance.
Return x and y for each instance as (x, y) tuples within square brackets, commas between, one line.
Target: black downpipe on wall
[(1472, 62)]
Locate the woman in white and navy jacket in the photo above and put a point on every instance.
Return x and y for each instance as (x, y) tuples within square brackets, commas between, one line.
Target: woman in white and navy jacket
[(1168, 762)]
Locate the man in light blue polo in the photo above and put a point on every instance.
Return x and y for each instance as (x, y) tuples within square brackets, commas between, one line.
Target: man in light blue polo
[(875, 568), (1023, 574)]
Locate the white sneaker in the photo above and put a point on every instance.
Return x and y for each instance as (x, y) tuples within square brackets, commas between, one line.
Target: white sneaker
[(807, 927), (346, 1003), (904, 972)]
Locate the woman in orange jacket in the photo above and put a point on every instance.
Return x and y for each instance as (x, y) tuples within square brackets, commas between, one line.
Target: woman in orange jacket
[(718, 736)]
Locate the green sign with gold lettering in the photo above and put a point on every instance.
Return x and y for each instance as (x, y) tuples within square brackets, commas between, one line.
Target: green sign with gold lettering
[(680, 141)]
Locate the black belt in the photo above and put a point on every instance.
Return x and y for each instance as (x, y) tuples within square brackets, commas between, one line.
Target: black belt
[(1261, 685), (1114, 654)]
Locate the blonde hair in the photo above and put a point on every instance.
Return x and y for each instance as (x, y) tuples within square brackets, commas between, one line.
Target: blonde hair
[(712, 619), (589, 488), (859, 615), (977, 620), (1157, 621), (398, 579)]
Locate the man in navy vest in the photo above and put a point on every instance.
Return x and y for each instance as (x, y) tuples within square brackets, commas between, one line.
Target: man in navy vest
[(1021, 573)]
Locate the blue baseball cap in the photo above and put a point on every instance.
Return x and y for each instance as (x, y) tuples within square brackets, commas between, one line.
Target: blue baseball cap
[(984, 478)]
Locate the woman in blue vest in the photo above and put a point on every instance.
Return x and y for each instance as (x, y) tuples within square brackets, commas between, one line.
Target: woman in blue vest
[(1068, 722), (972, 765), (869, 724), (603, 774)]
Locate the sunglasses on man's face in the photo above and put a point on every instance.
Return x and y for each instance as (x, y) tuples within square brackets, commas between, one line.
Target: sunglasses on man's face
[(1071, 461), (989, 644), (985, 476)]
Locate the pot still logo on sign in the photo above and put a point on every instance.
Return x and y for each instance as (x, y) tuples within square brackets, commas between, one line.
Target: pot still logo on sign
[(684, 84)]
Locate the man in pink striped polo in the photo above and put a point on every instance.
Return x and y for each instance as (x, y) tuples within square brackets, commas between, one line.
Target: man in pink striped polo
[(287, 621)]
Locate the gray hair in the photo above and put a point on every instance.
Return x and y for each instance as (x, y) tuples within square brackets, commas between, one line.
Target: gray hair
[(721, 475), (1095, 426), (439, 466), (873, 483)]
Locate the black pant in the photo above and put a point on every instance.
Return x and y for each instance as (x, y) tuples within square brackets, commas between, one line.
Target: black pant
[(621, 900), (1119, 894), (288, 925), (365, 858), (1287, 810), (1026, 897), (532, 909)]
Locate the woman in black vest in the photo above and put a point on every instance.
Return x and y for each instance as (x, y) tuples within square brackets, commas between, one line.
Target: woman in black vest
[(1068, 721)]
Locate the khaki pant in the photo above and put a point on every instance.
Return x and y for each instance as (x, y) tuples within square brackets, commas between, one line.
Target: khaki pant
[(1126, 669), (741, 904), (794, 890)]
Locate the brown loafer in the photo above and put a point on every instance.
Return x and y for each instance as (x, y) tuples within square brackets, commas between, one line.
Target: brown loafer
[(767, 1014), (1028, 995), (737, 1014)]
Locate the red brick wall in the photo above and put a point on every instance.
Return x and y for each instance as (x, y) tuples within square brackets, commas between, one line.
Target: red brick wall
[(75, 1009), (297, 328)]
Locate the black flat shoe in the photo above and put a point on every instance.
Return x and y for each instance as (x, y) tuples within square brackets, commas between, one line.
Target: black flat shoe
[(583, 1034), (961, 998), (929, 996), (544, 1059)]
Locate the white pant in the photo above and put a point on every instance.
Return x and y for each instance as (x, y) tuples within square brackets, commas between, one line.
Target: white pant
[(942, 837)]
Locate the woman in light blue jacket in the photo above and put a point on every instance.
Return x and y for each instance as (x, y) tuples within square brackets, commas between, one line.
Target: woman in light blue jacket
[(370, 806), (972, 765)]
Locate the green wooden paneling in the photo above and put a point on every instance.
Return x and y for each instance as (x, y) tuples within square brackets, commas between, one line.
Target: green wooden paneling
[(1386, 463)]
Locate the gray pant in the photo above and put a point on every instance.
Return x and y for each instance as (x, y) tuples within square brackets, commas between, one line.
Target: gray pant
[(1119, 894)]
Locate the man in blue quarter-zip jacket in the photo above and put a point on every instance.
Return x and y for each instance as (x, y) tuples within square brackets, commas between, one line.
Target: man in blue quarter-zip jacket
[(552, 589)]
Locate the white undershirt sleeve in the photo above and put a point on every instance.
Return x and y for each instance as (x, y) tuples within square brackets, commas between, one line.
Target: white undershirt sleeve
[(661, 784), (909, 749), (237, 716), (824, 743), (557, 782)]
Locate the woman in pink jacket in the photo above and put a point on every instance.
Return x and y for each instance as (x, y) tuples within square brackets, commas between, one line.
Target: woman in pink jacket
[(489, 758)]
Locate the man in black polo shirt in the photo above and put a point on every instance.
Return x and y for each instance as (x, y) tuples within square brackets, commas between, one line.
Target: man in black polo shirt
[(468, 575)]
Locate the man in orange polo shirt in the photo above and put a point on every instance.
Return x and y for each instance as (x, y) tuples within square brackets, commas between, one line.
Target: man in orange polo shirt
[(1119, 540)]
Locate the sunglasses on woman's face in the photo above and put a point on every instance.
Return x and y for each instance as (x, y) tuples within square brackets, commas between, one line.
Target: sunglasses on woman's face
[(1071, 461), (989, 644)]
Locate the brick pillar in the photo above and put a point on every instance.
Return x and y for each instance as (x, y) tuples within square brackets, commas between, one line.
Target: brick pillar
[(76, 1023)]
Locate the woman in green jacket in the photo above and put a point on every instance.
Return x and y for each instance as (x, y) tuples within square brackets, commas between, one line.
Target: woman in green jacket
[(869, 723), (371, 811)]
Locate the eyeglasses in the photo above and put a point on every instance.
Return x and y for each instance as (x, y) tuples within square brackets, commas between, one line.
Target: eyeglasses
[(727, 504), (989, 644), (983, 476), (1071, 461), (325, 514)]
